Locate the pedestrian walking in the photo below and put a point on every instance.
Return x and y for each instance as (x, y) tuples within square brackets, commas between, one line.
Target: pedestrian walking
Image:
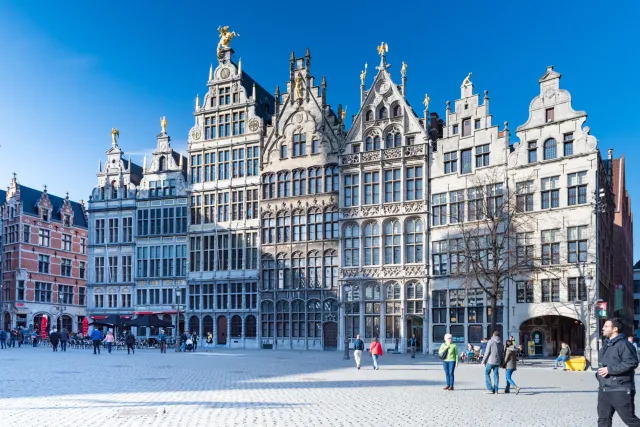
[(3, 339), (54, 339), (483, 346), (109, 339), (209, 342), (632, 340), (34, 337), (96, 337), (492, 360), (194, 338), (376, 351), (162, 338), (64, 337), (616, 377), (509, 364), (183, 342), (448, 352), (20, 337), (358, 348), (13, 335), (412, 345), (130, 340), (565, 354)]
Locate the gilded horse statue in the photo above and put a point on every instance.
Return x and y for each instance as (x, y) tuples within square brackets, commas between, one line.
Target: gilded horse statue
[(225, 38)]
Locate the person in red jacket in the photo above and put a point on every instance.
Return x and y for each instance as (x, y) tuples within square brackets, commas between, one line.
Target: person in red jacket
[(376, 350)]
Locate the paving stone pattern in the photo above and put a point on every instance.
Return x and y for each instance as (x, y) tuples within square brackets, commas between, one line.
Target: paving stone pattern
[(274, 388)]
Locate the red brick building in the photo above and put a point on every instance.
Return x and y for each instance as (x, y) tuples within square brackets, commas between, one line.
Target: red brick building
[(622, 243), (44, 252)]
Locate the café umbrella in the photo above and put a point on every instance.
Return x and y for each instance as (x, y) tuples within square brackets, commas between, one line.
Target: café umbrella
[(43, 327), (85, 326)]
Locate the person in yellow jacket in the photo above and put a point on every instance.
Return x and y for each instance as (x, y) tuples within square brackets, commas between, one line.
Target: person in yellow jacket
[(449, 354)]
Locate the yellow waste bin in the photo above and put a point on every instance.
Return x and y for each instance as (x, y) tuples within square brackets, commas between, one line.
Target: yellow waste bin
[(576, 363)]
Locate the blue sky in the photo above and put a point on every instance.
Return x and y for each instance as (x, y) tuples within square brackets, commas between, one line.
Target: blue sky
[(69, 73)]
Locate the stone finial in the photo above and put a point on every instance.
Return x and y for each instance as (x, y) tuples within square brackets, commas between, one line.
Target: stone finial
[(210, 72), (486, 94)]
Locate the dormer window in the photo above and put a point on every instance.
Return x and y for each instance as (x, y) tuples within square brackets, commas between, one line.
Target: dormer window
[(549, 115), (397, 111), (114, 190), (66, 220), (466, 127), (455, 129), (44, 214), (383, 114), (224, 96), (162, 164), (369, 116), (477, 124)]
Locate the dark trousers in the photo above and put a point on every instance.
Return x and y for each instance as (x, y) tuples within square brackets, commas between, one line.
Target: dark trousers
[(163, 346), (3, 343), (55, 346), (620, 401), (12, 342), (195, 345), (96, 346), (63, 345), (130, 349)]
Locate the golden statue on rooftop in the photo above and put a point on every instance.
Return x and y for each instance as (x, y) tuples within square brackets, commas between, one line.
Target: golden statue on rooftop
[(163, 124), (115, 134), (383, 48), (363, 74), (426, 101), (403, 70), (225, 38), (467, 81)]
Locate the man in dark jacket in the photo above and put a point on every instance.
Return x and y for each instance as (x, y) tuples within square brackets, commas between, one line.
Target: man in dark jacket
[(617, 364), (3, 339), (54, 338), (64, 337), (493, 357), (358, 348), (130, 340), (96, 337)]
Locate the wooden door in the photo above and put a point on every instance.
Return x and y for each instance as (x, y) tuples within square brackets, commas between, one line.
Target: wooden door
[(222, 330), (330, 335)]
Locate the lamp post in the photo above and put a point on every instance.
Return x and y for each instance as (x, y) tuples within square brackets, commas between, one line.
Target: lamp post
[(177, 328), (588, 280), (61, 308), (343, 303)]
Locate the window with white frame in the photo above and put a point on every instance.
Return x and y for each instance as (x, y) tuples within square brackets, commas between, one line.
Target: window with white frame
[(392, 185), (456, 206), (414, 183), (550, 247), (439, 209), (550, 192), (392, 235), (577, 188), (482, 155), (524, 196), (371, 187), (351, 245), (371, 243), (414, 239), (451, 162), (577, 244)]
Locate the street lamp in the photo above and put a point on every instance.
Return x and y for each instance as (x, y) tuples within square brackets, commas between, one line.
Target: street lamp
[(61, 308), (177, 328), (344, 303), (588, 280)]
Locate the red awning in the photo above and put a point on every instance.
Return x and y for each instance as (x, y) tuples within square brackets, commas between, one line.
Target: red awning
[(98, 317)]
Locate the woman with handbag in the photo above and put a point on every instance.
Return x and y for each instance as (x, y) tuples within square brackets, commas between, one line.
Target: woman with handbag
[(510, 365), (448, 352)]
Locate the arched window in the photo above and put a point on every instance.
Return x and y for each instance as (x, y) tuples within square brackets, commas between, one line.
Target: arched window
[(315, 181), (282, 319), (382, 113), (236, 326), (162, 164), (114, 190), (207, 324), (331, 269), (267, 315), (414, 240), (268, 228), (392, 236), (283, 151), (369, 116), (284, 184), (299, 182), (314, 319), (193, 324), (389, 141), (283, 227), (268, 273), (284, 271), (268, 186), (297, 319), (331, 178), (376, 142), (330, 309), (331, 223), (299, 226), (315, 224), (250, 329), (397, 111), (314, 275), (351, 245), (372, 244), (550, 149), (299, 273), (397, 140)]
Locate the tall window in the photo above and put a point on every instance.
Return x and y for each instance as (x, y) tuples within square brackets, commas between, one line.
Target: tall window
[(351, 190), (524, 292), (223, 164), (299, 226), (550, 149), (44, 236), (550, 192), (524, 249), (456, 206), (372, 311), (315, 181), (439, 315), (382, 113), (482, 155), (577, 188), (65, 267), (315, 224), (392, 236), (210, 127), (577, 289), (331, 223), (99, 231), (26, 234), (415, 295), (299, 182), (549, 114), (371, 243), (127, 229), (82, 270), (414, 182), (465, 156), (126, 267), (439, 206), (268, 273), (65, 294), (298, 267), (466, 127), (475, 204), (237, 164), (351, 245), (284, 184), (331, 269), (440, 257), (297, 319), (315, 146), (253, 154), (577, 244), (283, 151), (568, 144), (393, 311), (237, 205), (314, 319), (268, 228), (113, 230), (283, 225), (372, 143), (282, 319), (66, 242), (223, 207), (451, 162), (331, 178), (414, 240), (392, 185), (550, 290), (267, 316), (299, 145), (532, 151), (268, 186), (43, 264), (99, 266), (524, 196), (314, 273), (550, 247), (371, 188)]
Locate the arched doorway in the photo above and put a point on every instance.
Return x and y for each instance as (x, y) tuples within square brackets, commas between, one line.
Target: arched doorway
[(222, 330), (542, 336), (236, 326), (207, 325), (330, 335), (7, 321), (193, 324)]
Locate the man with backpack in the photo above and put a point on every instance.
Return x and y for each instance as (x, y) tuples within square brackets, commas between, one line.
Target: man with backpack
[(358, 348)]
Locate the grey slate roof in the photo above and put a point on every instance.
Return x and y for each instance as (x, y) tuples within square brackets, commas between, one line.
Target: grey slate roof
[(637, 266), (264, 100), (30, 197), (3, 197)]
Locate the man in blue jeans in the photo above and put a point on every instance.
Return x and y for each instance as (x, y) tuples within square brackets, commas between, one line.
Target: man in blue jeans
[(493, 357), (565, 353)]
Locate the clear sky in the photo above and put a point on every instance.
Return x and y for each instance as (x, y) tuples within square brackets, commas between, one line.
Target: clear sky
[(70, 71)]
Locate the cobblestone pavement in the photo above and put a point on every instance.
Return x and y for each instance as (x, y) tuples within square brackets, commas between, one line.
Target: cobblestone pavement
[(274, 388)]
